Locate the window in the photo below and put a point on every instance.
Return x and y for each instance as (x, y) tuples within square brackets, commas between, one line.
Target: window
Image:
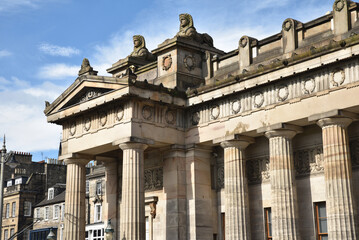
[(147, 229), (6, 234), (37, 213), (56, 211), (98, 213), (46, 213), (27, 208), (9, 183), (98, 234), (87, 186), (99, 188), (268, 222), (7, 211), (12, 231), (18, 181), (223, 224), (321, 220), (62, 211), (50, 194), (13, 208)]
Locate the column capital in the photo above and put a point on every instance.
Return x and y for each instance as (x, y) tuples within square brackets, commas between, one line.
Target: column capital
[(133, 145), (280, 133), (280, 130), (339, 121), (77, 161), (239, 142)]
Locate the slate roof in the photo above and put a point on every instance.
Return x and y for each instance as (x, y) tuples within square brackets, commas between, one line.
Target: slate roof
[(57, 199)]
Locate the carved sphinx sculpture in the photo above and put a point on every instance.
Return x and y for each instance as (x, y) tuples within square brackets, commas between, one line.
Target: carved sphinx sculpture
[(187, 30), (140, 50), (86, 68)]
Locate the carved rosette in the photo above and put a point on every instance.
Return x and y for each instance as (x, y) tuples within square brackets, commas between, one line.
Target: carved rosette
[(195, 118), (215, 112), (309, 160), (282, 93), (170, 116), (337, 77), (287, 25), (308, 86), (103, 118), (119, 113), (154, 179), (189, 62), (339, 5), (166, 62), (87, 124), (73, 128), (147, 112), (90, 94), (243, 41), (258, 99), (236, 106)]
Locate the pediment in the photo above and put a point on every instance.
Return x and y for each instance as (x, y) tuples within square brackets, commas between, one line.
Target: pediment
[(86, 94)]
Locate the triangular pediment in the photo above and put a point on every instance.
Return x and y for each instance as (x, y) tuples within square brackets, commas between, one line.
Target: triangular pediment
[(86, 94)]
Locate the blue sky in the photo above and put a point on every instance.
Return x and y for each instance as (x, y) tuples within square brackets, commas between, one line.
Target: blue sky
[(43, 42)]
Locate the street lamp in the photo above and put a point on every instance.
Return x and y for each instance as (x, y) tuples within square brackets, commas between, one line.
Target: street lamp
[(109, 230), (9, 159), (51, 235)]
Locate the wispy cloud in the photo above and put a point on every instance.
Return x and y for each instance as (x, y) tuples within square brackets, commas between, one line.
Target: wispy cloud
[(5, 53), (13, 5), (55, 50), (58, 71)]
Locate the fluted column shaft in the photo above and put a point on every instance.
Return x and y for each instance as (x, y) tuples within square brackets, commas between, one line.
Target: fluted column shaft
[(283, 186), (236, 191), (341, 209), (75, 209), (132, 219), (110, 205)]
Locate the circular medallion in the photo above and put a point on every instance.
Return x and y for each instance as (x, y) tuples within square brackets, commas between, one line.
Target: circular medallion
[(339, 5), (282, 93), (243, 42), (195, 118), (287, 25), (170, 116), (258, 99), (72, 128), (103, 119), (236, 106), (166, 62), (338, 77), (87, 123), (147, 112), (215, 112), (119, 113), (308, 86), (189, 62)]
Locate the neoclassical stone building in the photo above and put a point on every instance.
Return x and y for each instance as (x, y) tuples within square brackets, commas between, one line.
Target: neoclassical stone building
[(258, 143)]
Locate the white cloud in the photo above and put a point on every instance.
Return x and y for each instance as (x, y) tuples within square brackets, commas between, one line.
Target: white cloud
[(58, 71), (12, 5), (5, 53), (54, 50)]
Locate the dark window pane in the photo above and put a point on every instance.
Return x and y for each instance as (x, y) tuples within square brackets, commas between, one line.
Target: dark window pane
[(323, 225), (325, 238), (322, 211)]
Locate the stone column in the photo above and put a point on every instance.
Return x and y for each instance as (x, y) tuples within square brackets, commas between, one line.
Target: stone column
[(236, 190), (283, 186), (341, 208), (75, 209), (110, 206), (132, 219)]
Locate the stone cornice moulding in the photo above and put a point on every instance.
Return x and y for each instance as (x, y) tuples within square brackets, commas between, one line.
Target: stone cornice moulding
[(332, 114), (132, 140), (280, 129)]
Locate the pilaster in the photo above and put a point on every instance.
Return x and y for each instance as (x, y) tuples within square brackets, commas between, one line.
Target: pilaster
[(283, 186), (340, 205), (236, 189), (75, 209)]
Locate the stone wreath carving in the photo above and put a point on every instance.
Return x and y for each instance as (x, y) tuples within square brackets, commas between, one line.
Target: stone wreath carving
[(195, 118), (282, 93), (87, 124), (308, 86), (72, 129), (170, 116), (103, 118), (337, 77), (215, 112), (258, 99), (119, 113), (339, 5), (287, 25), (189, 62), (243, 42), (147, 112), (166, 62), (236, 106)]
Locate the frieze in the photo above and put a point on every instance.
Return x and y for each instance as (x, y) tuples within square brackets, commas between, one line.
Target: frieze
[(282, 93), (87, 124), (258, 99), (147, 112), (337, 77), (73, 128), (215, 112), (308, 86), (236, 106), (153, 179), (310, 160), (103, 118), (170, 116), (119, 113)]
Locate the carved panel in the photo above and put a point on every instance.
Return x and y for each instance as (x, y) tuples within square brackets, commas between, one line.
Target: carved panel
[(236, 106), (147, 112), (258, 169), (220, 176), (154, 179), (166, 62), (337, 77), (73, 128), (103, 118), (282, 93), (258, 99), (215, 112), (308, 86), (309, 160), (119, 113), (195, 118), (87, 124), (339, 5), (189, 62), (170, 116)]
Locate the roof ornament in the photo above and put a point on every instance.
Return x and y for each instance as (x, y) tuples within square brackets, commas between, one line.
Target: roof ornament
[(140, 50), (86, 68)]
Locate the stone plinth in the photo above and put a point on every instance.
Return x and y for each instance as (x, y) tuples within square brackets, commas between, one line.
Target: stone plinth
[(132, 218), (236, 190), (341, 209), (75, 209), (283, 185)]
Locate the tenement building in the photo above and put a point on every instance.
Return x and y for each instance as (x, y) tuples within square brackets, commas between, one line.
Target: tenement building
[(261, 142)]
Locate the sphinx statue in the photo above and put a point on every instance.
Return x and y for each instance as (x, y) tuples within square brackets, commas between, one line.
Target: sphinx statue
[(86, 68), (140, 50), (187, 30)]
